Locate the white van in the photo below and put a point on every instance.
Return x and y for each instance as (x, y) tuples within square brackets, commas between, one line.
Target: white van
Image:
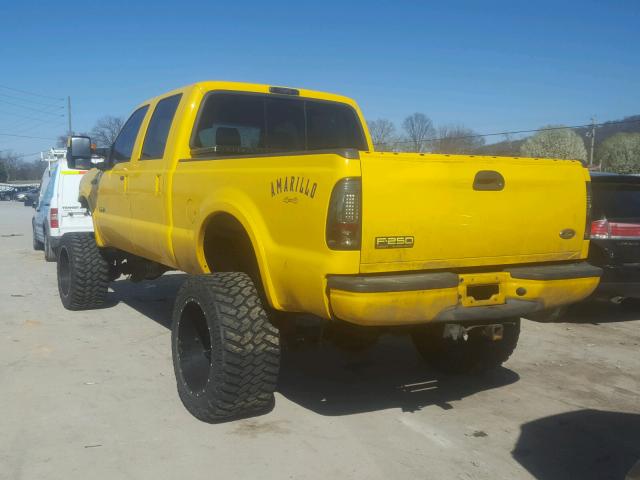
[(58, 210)]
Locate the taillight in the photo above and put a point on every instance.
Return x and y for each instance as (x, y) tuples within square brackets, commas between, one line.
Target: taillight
[(587, 224), (606, 229), (53, 218), (345, 215), (600, 229)]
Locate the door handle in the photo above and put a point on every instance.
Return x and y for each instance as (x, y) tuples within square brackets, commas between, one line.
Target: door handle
[(488, 180)]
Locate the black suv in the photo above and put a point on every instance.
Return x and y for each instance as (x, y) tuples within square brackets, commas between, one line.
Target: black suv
[(615, 233)]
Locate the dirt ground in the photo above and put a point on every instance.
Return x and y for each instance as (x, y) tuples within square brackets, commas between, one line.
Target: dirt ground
[(92, 395)]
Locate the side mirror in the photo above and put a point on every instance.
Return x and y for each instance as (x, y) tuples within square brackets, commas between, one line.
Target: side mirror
[(78, 151)]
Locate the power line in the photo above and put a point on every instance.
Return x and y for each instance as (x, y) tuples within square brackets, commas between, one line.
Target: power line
[(515, 132), (25, 116), (28, 100), (31, 93), (39, 110), (26, 136)]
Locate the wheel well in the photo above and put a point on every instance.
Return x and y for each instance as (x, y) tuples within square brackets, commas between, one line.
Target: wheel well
[(228, 248)]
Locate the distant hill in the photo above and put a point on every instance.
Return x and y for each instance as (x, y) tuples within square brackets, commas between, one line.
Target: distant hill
[(509, 148), (611, 128), (506, 148)]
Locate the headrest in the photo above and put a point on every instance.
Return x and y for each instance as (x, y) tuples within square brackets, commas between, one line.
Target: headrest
[(227, 137)]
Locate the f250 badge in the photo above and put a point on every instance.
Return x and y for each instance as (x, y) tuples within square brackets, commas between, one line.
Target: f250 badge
[(394, 242), (293, 184)]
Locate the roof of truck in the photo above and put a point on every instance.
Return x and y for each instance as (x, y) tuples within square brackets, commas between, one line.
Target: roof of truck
[(212, 85)]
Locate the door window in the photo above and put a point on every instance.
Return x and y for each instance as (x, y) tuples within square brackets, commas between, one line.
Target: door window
[(156, 137), (123, 146)]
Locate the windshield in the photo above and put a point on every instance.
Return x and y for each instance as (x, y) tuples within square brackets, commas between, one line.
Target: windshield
[(616, 201), (248, 123)]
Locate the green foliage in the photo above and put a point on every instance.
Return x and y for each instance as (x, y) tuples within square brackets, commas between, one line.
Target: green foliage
[(561, 143), (620, 153)]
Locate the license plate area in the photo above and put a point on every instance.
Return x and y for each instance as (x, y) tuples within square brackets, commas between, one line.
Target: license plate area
[(481, 289)]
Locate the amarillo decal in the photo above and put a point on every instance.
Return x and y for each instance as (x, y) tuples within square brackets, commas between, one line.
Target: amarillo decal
[(394, 242), (293, 184)]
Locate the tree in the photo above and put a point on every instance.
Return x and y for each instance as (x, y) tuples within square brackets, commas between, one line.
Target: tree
[(9, 161), (382, 134), (558, 143), (620, 153), (3, 171), (62, 139), (419, 130), (457, 139), (106, 130)]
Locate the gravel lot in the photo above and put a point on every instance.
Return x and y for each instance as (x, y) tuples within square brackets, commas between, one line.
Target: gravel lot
[(92, 394)]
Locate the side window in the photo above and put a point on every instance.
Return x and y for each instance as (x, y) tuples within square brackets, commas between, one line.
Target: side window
[(48, 194), (123, 146), (156, 137)]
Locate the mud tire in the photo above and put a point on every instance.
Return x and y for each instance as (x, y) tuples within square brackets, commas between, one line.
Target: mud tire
[(226, 353)]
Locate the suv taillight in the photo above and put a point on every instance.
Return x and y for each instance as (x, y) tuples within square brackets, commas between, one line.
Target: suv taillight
[(344, 221), (606, 229), (53, 218)]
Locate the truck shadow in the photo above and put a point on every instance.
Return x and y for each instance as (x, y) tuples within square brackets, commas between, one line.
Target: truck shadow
[(584, 444), (153, 298), (329, 381), (389, 375), (597, 312)]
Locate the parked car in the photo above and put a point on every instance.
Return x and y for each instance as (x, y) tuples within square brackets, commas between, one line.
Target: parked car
[(31, 197), (58, 211), (7, 193), (615, 234), (21, 193)]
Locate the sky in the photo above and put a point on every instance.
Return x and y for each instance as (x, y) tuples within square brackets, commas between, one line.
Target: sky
[(491, 66)]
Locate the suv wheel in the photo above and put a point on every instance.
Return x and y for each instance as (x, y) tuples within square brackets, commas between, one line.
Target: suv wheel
[(83, 274), (474, 354), (226, 353)]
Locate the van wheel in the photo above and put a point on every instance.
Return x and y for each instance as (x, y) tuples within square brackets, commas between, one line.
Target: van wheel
[(37, 244), (478, 353), (49, 252), (226, 353), (83, 274)]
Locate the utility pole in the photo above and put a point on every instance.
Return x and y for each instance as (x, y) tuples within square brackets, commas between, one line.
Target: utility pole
[(69, 114), (593, 140)]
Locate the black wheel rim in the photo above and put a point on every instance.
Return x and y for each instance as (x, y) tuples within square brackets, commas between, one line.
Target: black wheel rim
[(64, 272), (194, 347)]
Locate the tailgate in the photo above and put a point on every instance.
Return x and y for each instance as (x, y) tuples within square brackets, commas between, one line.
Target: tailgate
[(440, 211)]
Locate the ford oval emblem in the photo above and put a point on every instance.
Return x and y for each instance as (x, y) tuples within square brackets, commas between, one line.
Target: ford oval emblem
[(567, 233)]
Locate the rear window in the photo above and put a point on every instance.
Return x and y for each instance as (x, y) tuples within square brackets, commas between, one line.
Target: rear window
[(232, 123), (616, 201)]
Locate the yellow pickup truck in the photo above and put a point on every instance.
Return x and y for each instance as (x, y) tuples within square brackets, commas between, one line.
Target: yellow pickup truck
[(274, 200)]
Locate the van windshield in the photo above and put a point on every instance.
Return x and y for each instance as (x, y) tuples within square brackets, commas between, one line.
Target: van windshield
[(235, 123)]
